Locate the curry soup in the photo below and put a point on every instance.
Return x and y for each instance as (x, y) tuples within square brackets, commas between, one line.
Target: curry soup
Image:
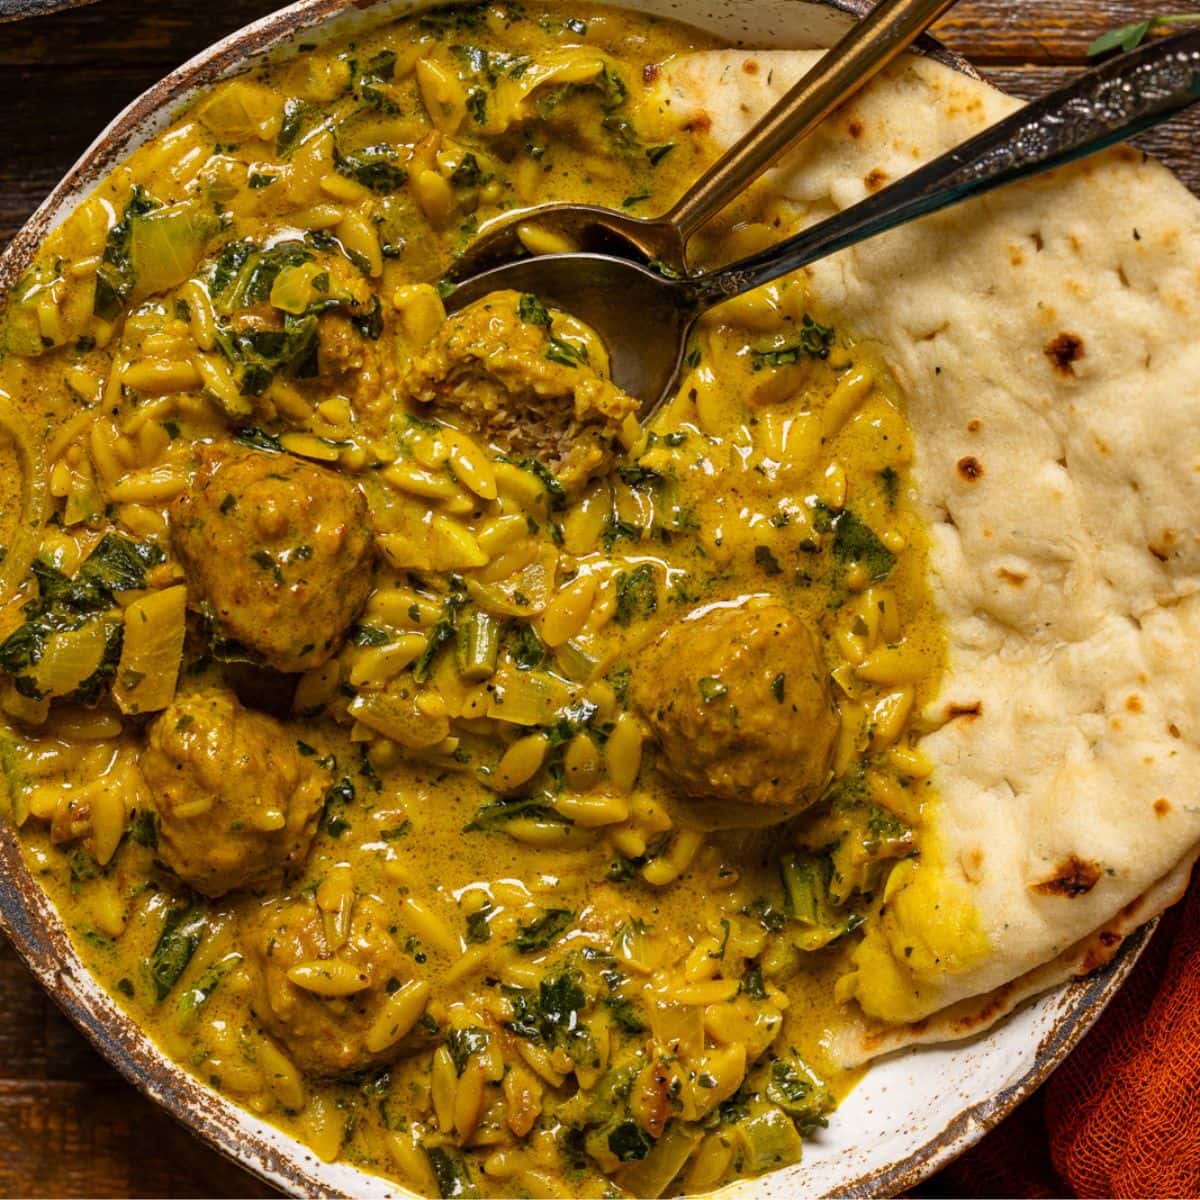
[(480, 785)]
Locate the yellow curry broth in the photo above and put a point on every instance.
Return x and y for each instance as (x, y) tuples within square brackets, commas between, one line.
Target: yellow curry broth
[(516, 957)]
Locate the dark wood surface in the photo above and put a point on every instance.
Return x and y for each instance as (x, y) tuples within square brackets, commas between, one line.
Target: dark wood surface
[(69, 1126)]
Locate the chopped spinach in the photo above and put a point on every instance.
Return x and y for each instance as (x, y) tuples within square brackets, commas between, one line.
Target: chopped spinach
[(637, 594), (855, 542), (115, 276), (376, 167), (462, 1043), (531, 310), (182, 931), (814, 341), (543, 930)]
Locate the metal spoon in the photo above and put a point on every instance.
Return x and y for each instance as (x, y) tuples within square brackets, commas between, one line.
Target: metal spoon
[(845, 68), (644, 317)]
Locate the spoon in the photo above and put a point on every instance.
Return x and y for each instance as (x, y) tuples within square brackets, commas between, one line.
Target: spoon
[(644, 316), (862, 53)]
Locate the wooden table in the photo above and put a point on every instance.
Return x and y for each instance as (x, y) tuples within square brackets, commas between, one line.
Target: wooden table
[(69, 1126)]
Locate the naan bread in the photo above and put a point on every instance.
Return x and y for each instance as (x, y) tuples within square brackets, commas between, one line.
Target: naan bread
[(1045, 336)]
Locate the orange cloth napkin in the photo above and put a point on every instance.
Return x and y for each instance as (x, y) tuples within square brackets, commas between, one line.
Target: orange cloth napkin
[(1121, 1116)]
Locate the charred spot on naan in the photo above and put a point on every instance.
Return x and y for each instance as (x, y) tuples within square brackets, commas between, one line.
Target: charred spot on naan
[(1072, 877)]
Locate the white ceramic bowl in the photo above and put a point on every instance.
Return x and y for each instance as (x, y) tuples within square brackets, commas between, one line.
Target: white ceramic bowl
[(911, 1114)]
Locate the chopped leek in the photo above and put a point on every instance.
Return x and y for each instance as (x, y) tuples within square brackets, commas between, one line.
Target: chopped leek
[(152, 653), (167, 244)]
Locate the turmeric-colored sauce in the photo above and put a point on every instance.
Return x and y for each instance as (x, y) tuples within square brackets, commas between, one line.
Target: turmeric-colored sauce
[(484, 786)]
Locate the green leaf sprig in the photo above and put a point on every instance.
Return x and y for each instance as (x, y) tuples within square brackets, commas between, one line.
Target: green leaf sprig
[(1128, 37)]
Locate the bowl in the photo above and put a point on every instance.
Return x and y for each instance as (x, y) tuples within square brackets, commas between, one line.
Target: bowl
[(911, 1114)]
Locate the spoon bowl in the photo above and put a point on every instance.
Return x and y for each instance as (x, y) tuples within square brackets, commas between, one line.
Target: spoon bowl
[(642, 316), (585, 227)]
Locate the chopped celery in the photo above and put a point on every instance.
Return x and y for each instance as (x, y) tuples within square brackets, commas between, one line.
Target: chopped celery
[(655, 1173), (806, 883), (768, 1140), (477, 645)]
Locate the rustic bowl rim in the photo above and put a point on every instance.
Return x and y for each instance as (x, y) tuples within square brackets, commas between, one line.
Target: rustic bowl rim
[(32, 924)]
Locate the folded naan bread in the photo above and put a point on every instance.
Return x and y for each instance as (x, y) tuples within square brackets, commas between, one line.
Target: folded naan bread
[(1045, 337)]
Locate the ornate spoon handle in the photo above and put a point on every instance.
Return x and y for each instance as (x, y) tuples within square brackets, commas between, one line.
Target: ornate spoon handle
[(1105, 105)]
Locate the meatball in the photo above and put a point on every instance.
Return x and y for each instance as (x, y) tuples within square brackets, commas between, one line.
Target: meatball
[(740, 703), (237, 803), (502, 369), (327, 1033), (279, 551)]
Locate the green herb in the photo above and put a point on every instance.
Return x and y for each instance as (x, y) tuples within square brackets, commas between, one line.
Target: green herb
[(777, 686), (554, 490), (814, 341), (657, 153), (477, 105), (890, 481), (542, 930), (462, 1043), (566, 353), (619, 679), (526, 647), (296, 115), (639, 478), (143, 828), (263, 559), (1128, 37), (637, 594), (498, 813), (468, 173), (625, 1016), (443, 631), (531, 310), (375, 167), (370, 323), (199, 993), (797, 1089), (83, 866), (183, 929), (854, 542), (549, 1016), (752, 984), (478, 929), (766, 561), (258, 439), (635, 200), (615, 530), (629, 1142), (260, 179), (720, 953), (369, 635), (712, 688), (337, 799), (451, 1173)]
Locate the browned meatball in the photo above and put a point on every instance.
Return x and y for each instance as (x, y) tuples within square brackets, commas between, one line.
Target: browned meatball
[(237, 803), (327, 1033), (501, 368), (278, 549), (739, 700)]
